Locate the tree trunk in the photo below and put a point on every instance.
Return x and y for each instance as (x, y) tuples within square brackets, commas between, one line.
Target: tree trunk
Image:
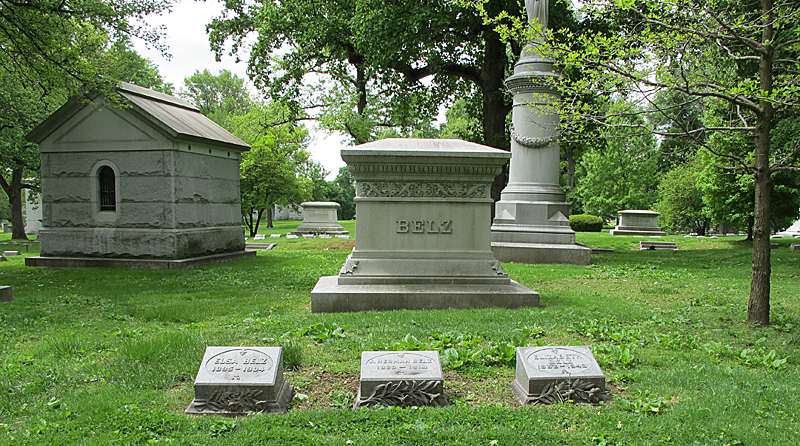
[(495, 104), (258, 221), (14, 192), (570, 167), (248, 221), (758, 307), (269, 217)]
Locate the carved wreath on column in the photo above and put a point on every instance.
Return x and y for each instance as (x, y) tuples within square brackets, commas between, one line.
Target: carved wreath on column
[(532, 142)]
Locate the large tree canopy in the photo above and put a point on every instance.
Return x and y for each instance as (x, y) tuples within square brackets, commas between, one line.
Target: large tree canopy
[(737, 62)]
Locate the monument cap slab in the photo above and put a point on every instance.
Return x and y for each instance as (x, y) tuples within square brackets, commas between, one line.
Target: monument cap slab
[(547, 375), (401, 378), (240, 380)]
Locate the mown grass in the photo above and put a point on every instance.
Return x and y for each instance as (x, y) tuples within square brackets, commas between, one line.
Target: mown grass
[(107, 356)]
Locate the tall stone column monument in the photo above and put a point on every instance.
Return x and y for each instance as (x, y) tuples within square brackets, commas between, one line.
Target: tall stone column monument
[(531, 222)]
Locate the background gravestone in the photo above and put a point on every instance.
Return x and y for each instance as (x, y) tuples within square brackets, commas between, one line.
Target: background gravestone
[(320, 217), (240, 380), (6, 294), (548, 375), (637, 222), (422, 232), (402, 379)]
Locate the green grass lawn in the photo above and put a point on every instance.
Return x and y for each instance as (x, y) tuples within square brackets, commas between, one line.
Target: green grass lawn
[(105, 356)]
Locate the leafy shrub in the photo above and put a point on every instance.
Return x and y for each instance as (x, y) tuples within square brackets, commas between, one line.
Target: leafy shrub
[(585, 223)]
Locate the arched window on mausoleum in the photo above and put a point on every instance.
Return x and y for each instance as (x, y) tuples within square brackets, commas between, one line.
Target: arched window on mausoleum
[(108, 199)]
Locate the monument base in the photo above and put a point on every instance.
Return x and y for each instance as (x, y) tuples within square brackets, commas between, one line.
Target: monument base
[(285, 395), (635, 232), (89, 262), (329, 296), (541, 253)]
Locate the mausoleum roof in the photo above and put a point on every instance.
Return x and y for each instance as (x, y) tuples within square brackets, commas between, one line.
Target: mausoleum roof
[(177, 118)]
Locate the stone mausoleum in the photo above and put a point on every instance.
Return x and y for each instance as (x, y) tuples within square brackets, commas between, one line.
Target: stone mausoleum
[(144, 180)]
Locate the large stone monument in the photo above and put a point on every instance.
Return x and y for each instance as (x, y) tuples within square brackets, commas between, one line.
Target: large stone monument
[(531, 222), (150, 183), (638, 222), (422, 241), (320, 217), (791, 231), (240, 380)]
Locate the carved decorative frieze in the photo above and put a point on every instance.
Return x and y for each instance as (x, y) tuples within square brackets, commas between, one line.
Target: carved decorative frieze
[(371, 189), (497, 267), (533, 142), (572, 391), (405, 394), (233, 402)]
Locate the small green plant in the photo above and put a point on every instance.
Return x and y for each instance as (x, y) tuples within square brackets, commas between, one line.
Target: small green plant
[(646, 404), (222, 427), (292, 354), (585, 223), (342, 399), (322, 331), (761, 357)]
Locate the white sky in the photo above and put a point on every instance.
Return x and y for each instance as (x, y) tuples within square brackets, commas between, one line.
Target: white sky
[(188, 43)]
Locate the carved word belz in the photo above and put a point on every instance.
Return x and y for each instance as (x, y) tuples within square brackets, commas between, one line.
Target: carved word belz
[(425, 226)]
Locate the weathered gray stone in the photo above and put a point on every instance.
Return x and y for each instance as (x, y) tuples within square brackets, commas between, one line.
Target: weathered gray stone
[(547, 375), (240, 380), (320, 217), (96, 262), (343, 236), (638, 222), (260, 237), (274, 236), (11, 253), (401, 379), (176, 180), (795, 247), (6, 294), (422, 241), (292, 236)]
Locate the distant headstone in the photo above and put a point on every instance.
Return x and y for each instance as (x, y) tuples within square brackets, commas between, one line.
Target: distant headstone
[(795, 247), (5, 294), (260, 237), (240, 380), (657, 246), (777, 236), (687, 236), (11, 253), (731, 234), (637, 222), (320, 216), (402, 379), (260, 245), (714, 237), (274, 236), (602, 250), (548, 375), (3, 259), (771, 246), (292, 236), (309, 236), (13, 243), (792, 231), (343, 236), (325, 236)]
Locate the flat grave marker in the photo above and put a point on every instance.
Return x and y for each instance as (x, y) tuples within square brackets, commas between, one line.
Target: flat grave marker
[(240, 380), (11, 253), (548, 375), (402, 379), (274, 236), (6, 294)]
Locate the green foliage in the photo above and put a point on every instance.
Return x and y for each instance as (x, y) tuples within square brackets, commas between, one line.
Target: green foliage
[(217, 96), (322, 331), (646, 404), (680, 200), (292, 354), (585, 223)]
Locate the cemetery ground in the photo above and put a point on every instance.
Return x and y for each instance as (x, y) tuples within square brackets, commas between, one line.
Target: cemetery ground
[(107, 356)]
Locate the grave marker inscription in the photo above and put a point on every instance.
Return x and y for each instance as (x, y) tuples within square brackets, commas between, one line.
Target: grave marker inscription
[(240, 380), (548, 375), (402, 379)]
